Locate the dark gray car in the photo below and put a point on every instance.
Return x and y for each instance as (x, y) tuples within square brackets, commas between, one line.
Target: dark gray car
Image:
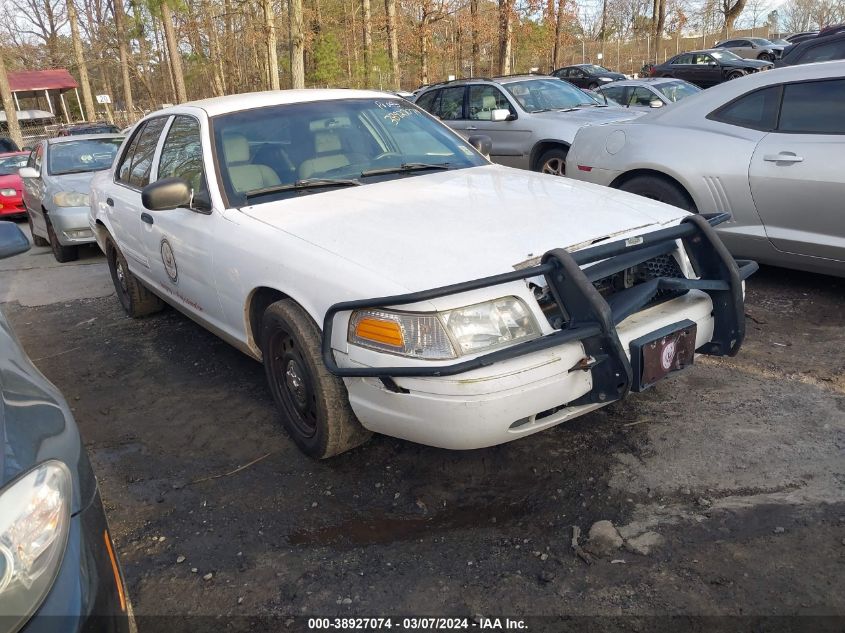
[(58, 568)]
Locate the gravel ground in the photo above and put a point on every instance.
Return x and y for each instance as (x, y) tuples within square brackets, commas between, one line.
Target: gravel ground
[(734, 470)]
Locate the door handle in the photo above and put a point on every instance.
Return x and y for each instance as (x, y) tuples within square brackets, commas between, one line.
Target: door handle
[(110, 202), (783, 158), (471, 127), (146, 218)]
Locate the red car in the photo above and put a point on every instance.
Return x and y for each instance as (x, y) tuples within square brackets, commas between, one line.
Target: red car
[(11, 204)]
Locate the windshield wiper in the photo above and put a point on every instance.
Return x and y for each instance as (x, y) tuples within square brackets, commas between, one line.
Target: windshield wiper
[(405, 167), (299, 185)]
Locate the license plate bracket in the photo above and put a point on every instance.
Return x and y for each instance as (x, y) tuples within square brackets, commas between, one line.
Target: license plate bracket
[(662, 352)]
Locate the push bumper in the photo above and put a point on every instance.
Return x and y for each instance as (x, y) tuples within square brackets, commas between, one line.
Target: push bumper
[(596, 329), (71, 225)]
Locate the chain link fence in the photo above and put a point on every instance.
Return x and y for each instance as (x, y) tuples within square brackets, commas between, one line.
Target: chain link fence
[(33, 131)]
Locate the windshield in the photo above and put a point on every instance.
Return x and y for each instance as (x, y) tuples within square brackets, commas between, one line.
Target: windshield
[(540, 95), (76, 157), (677, 90), (781, 42), (760, 41), (10, 164), (304, 148), (726, 55)]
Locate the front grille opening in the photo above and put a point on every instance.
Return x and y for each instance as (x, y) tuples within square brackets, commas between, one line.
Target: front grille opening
[(661, 266)]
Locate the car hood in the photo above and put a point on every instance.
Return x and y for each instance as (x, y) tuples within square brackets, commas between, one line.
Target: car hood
[(615, 76), (590, 115), (436, 229), (79, 183), (12, 181), (36, 423)]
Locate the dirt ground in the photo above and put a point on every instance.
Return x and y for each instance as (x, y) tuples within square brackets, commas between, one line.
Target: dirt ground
[(738, 464)]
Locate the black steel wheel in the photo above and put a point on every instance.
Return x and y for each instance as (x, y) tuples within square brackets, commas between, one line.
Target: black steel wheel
[(313, 403), (135, 298)]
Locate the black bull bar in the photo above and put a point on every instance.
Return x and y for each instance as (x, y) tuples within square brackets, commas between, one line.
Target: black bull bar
[(592, 319)]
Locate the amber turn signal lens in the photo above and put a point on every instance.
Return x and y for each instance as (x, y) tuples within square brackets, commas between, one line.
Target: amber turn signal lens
[(380, 331)]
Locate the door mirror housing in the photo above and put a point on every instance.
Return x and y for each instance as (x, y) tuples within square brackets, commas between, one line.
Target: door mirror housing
[(166, 194), (655, 103), (500, 114), (12, 240), (28, 172), (482, 143)]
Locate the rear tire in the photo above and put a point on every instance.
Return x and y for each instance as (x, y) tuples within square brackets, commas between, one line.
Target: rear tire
[(553, 161), (660, 189), (135, 298), (37, 240), (314, 403), (61, 253)]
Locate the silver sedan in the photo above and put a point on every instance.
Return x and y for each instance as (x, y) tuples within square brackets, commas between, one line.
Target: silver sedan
[(767, 148), (56, 181), (648, 93)]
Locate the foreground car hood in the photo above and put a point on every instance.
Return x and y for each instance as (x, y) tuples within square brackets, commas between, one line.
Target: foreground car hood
[(590, 115), (36, 423), (442, 228)]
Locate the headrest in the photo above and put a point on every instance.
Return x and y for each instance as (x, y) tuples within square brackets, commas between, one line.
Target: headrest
[(326, 142), (488, 102), (235, 148)]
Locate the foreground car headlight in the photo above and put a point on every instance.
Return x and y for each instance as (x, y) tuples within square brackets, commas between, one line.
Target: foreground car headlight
[(70, 199), (34, 524), (8, 193), (444, 335)]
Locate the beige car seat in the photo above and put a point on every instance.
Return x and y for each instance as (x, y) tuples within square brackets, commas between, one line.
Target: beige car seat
[(244, 175)]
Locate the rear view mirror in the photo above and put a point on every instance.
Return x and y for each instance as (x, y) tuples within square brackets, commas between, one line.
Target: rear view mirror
[(12, 240), (28, 172), (482, 143), (655, 103), (500, 114), (166, 194)]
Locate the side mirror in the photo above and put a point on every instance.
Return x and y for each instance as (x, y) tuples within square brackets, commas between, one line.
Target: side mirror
[(28, 172), (482, 143), (500, 114), (12, 240), (166, 194), (655, 103)]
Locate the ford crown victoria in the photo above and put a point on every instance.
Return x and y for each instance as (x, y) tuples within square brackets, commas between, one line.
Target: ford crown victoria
[(392, 280)]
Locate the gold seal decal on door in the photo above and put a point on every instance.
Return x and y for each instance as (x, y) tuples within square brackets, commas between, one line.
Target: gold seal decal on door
[(169, 260)]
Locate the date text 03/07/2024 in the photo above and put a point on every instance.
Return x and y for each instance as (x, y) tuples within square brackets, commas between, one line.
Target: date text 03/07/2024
[(418, 623)]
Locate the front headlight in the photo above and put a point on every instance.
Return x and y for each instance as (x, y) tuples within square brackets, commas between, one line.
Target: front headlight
[(444, 335), (8, 193), (70, 199), (605, 78), (34, 524)]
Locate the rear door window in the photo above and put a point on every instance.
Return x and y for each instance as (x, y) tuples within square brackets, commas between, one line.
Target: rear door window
[(756, 110), (813, 107), (142, 160), (451, 106), (682, 59), (824, 52)]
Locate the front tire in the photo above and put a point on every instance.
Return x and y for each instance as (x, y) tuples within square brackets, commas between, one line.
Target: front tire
[(61, 253), (660, 189), (766, 57), (314, 404), (135, 298), (735, 74), (553, 162)]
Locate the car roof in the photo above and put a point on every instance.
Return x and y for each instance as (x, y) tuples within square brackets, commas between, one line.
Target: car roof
[(81, 137), (814, 41), (252, 100)]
